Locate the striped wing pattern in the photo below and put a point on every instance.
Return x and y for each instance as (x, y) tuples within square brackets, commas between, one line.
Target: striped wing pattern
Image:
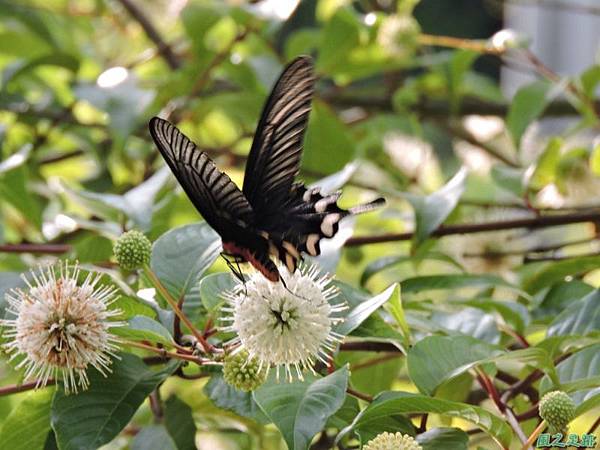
[(272, 216), (274, 159), (212, 192)]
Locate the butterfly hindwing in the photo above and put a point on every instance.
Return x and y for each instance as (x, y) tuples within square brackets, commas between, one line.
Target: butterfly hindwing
[(212, 192), (274, 158)]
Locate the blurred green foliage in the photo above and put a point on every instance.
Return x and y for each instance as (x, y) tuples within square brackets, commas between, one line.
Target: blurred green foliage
[(401, 110)]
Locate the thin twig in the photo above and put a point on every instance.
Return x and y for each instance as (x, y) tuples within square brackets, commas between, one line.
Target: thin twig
[(374, 361), (361, 395), (527, 445), (16, 388), (163, 352), (369, 347), (531, 223), (55, 249), (163, 48), (174, 305)]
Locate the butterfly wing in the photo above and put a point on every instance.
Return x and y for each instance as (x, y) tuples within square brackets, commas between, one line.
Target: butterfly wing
[(274, 158), (217, 198)]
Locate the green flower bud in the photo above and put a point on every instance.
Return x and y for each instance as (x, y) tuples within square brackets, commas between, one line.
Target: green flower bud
[(557, 409), (132, 250), (392, 441), (242, 373)]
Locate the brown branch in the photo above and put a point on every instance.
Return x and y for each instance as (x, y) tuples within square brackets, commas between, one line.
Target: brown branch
[(369, 347), (361, 395), (533, 259), (163, 48), (55, 249), (374, 361), (531, 223), (529, 414), (567, 6), (441, 109), (461, 133), (16, 388), (594, 426)]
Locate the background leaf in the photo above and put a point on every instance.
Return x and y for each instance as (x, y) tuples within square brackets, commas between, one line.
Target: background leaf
[(107, 405), (300, 409)]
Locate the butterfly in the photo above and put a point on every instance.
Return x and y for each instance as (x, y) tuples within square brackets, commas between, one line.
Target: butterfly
[(273, 216)]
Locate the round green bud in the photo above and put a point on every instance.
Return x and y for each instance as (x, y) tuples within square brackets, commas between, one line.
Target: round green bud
[(242, 373), (132, 250), (392, 441), (557, 409)]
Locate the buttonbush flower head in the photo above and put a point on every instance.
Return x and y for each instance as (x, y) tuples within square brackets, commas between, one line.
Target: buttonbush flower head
[(392, 441), (61, 326), (398, 35), (132, 250), (243, 372), (558, 410), (289, 328)]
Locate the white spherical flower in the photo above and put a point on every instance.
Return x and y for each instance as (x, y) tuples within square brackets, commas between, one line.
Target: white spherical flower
[(284, 326), (392, 441), (61, 327)]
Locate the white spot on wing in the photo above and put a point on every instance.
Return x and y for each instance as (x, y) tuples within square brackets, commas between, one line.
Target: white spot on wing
[(328, 222), (311, 242)]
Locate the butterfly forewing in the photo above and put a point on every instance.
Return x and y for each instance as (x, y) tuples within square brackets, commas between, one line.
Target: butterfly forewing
[(274, 158), (211, 191)]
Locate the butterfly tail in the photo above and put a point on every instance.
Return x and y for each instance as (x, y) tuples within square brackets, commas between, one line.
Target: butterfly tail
[(367, 207)]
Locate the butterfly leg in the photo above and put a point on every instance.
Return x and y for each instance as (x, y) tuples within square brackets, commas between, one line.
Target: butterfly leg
[(237, 271)]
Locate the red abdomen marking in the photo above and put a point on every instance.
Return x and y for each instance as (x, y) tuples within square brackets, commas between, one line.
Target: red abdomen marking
[(233, 249)]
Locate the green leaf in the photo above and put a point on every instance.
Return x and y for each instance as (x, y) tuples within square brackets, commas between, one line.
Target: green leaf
[(28, 424), (125, 103), (345, 415), (180, 423), (16, 190), (142, 328), (453, 281), (227, 397), (17, 159), (446, 438), (551, 273), (547, 164), (370, 379), (94, 417), (130, 307), (300, 409), (212, 287), (469, 321), (509, 179), (590, 79), (394, 306), (21, 67), (580, 318), (363, 310), (527, 105), (136, 204), (340, 35), (376, 266), (432, 210), (588, 404), (388, 403), (325, 126), (182, 255), (577, 374), (459, 64), (153, 437), (436, 359)]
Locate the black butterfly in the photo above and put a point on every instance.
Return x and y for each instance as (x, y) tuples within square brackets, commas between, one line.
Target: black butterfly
[(272, 215)]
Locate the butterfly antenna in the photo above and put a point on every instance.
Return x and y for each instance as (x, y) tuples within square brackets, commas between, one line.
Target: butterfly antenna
[(289, 290)]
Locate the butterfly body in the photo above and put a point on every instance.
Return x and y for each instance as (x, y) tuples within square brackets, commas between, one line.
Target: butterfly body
[(273, 216)]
